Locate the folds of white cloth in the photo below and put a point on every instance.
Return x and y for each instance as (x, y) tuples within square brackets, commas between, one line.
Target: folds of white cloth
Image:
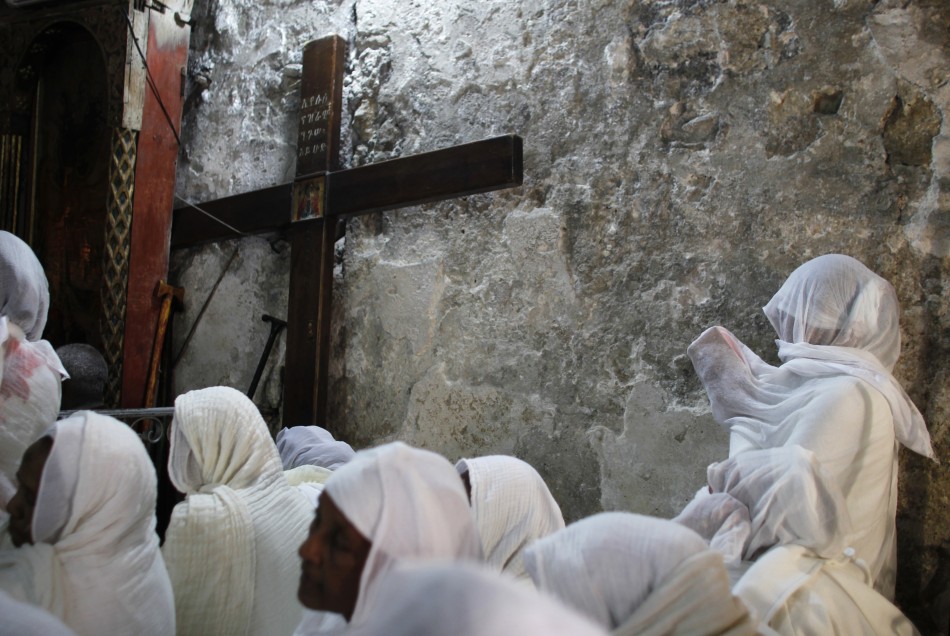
[(311, 445), (95, 562), (512, 507), (794, 592), (231, 546)]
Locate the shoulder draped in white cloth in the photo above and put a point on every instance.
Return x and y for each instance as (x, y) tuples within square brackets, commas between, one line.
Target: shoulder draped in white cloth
[(231, 546), (30, 371), (24, 619), (834, 394), (638, 575), (410, 504), (95, 561), (465, 600), (512, 507), (313, 446)]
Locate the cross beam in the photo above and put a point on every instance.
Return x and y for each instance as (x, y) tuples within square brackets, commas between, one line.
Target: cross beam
[(311, 207)]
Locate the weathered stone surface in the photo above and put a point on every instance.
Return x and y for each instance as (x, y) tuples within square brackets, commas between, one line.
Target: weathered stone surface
[(681, 158)]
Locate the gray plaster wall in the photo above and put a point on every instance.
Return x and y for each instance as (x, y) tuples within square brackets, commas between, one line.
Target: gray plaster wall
[(681, 158)]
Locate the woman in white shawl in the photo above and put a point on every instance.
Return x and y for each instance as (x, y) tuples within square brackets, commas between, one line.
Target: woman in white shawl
[(388, 504), (638, 575), (460, 599), (834, 394), (230, 545), (30, 371), (512, 507), (88, 552)]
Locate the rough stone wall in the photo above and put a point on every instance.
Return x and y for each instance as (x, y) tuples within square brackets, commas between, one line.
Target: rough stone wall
[(681, 158)]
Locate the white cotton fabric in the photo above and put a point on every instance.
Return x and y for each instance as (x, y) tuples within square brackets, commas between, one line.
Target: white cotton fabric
[(787, 498), (24, 290), (30, 371), (410, 504), (311, 445), (833, 395), (638, 575), (796, 593), (24, 619), (465, 600), (231, 546), (98, 567), (512, 507)]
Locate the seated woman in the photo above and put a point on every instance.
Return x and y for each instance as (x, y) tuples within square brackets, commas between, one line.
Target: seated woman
[(30, 371), (834, 394), (230, 545), (638, 575), (82, 526), (462, 599), (512, 507), (388, 504)]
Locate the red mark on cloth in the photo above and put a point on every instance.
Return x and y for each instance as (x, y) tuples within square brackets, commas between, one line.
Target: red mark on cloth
[(18, 366)]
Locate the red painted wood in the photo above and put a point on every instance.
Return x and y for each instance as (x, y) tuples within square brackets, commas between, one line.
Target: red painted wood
[(152, 201)]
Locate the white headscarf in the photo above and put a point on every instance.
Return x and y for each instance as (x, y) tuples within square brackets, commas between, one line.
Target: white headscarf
[(834, 317), (95, 560), (30, 370), (512, 507), (24, 290), (311, 445), (638, 575), (410, 504), (231, 546), (466, 600)]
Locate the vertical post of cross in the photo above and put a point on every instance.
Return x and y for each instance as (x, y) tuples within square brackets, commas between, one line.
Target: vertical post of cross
[(308, 313)]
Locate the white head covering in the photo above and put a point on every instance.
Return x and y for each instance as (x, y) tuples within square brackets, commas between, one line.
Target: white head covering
[(231, 546), (95, 561), (638, 575), (512, 507), (465, 600), (834, 317), (302, 445), (410, 504), (30, 372), (24, 290)]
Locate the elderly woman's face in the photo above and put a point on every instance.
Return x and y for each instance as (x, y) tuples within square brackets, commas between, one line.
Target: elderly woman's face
[(333, 558), (22, 505)]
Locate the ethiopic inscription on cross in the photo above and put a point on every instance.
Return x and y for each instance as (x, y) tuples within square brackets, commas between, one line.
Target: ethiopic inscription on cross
[(314, 119)]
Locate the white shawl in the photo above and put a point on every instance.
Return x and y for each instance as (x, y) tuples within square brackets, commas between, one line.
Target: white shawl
[(512, 507), (24, 619), (410, 504), (311, 445), (30, 390), (95, 562), (833, 395), (794, 592), (638, 575), (30, 371), (231, 546), (465, 600)]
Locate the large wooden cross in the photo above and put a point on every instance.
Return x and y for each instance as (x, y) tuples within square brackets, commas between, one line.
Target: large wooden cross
[(320, 196)]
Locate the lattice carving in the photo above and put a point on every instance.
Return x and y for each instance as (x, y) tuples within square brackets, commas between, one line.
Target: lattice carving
[(115, 267)]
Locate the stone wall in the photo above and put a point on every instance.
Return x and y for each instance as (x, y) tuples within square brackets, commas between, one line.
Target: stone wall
[(681, 158)]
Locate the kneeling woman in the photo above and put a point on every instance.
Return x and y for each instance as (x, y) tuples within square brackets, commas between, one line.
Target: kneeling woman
[(389, 504), (82, 525)]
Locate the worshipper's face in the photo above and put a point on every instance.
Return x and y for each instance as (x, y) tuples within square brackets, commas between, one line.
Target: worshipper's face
[(24, 501), (333, 558)]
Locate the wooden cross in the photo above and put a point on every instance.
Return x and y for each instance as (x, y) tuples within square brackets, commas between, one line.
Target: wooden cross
[(320, 196)]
